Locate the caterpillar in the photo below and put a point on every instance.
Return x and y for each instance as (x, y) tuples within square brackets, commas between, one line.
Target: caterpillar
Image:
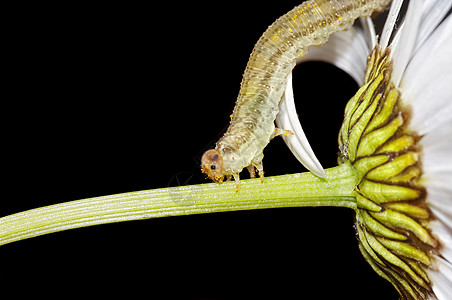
[(264, 81)]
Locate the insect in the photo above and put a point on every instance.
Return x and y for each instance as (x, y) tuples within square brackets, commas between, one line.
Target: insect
[(264, 81)]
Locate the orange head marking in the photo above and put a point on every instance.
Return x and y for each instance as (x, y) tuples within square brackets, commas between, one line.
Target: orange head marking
[(212, 165)]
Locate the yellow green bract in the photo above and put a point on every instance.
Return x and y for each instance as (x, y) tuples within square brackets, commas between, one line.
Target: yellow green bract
[(391, 211)]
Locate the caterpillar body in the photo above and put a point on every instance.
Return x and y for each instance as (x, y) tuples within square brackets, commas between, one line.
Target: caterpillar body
[(264, 80)]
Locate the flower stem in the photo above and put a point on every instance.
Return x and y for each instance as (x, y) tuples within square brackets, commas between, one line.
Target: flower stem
[(293, 190)]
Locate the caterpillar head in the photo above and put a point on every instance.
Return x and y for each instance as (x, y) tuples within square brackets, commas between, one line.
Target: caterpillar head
[(212, 165)]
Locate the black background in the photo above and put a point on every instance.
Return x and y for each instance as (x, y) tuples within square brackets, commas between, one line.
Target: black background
[(107, 97)]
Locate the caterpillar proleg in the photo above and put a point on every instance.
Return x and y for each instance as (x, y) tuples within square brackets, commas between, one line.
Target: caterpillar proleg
[(265, 78)]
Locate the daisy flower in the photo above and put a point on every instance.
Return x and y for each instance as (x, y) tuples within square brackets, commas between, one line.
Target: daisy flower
[(397, 135), (395, 166)]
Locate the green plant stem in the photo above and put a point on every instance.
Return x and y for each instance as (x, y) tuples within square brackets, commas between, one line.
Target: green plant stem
[(293, 190)]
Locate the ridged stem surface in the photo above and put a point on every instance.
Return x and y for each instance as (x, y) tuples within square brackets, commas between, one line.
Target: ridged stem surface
[(293, 190)]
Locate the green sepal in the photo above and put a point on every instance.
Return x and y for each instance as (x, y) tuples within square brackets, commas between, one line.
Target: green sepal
[(381, 193), (379, 229), (394, 167), (386, 110), (415, 211), (399, 220), (365, 164), (367, 204), (374, 139), (361, 116), (405, 250), (396, 145), (392, 258)]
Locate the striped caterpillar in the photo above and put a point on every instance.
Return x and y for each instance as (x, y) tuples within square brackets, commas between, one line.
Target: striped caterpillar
[(264, 81)]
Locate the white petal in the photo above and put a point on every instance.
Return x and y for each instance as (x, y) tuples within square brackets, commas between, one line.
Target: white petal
[(436, 150), (369, 31), (405, 40), (297, 143), (388, 29), (433, 13), (426, 83), (422, 50), (437, 167), (442, 279), (346, 50), (443, 216), (444, 233)]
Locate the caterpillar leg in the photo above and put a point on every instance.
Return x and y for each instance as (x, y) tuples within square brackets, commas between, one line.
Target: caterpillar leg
[(252, 171), (279, 131), (260, 170), (237, 182)]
